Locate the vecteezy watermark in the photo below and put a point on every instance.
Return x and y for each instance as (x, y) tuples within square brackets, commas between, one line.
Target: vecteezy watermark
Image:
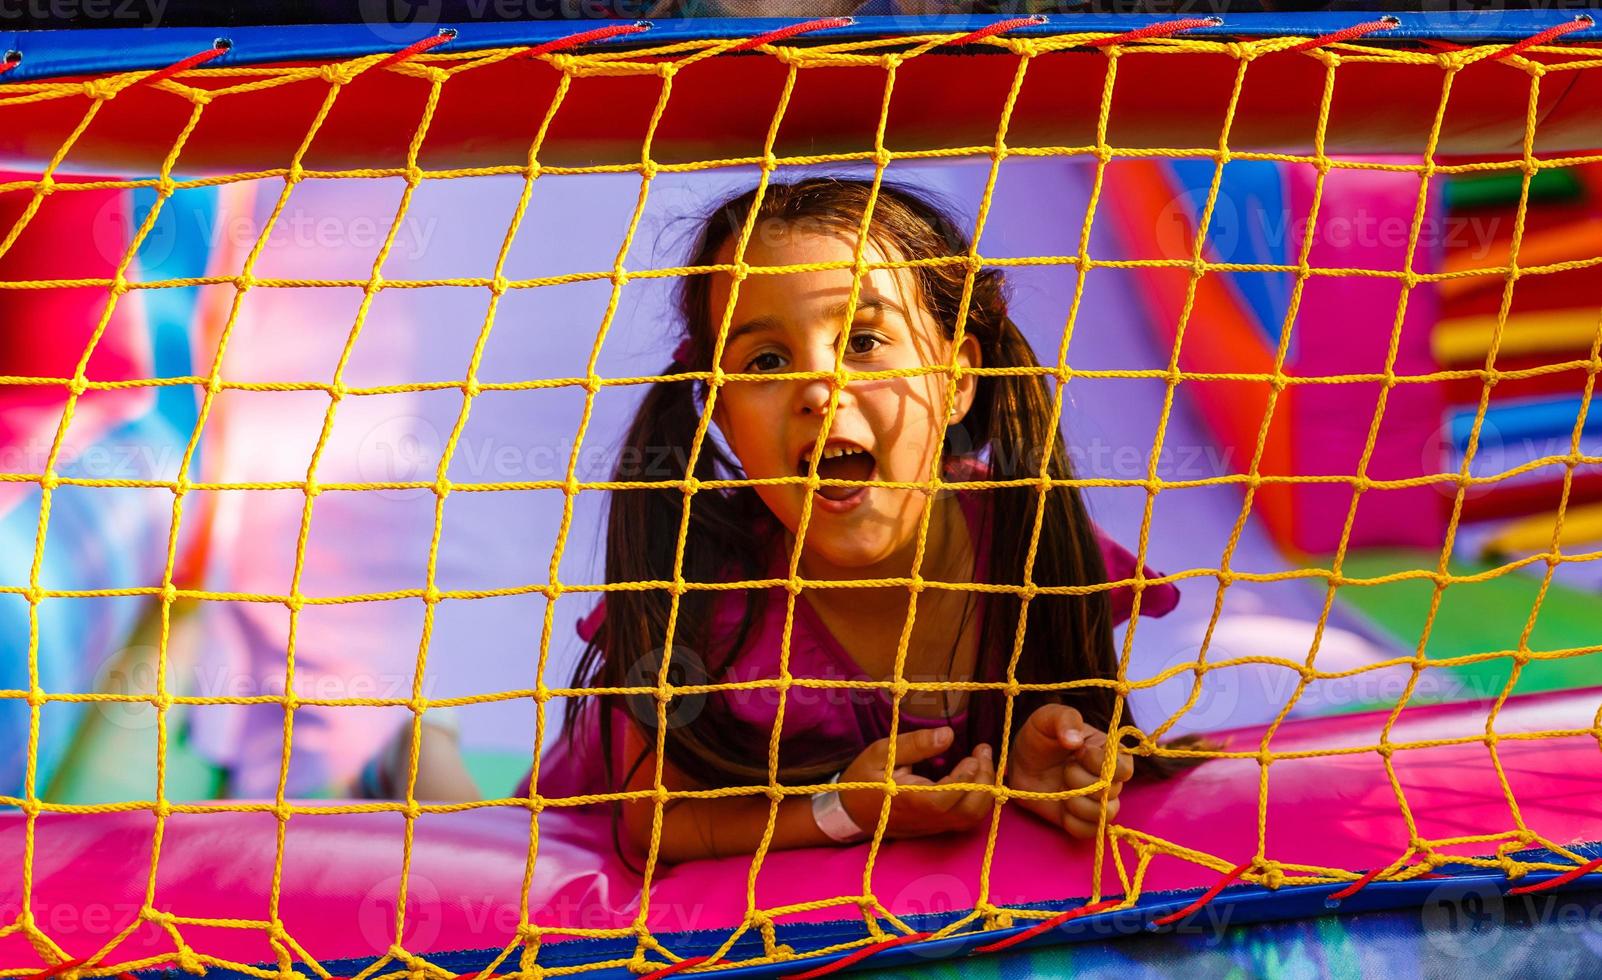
[(1446, 449), (407, 449), (114, 226), (66, 919), (107, 460), (433, 909), (424, 914), (1476, 921), (130, 677), (1216, 692), (1233, 221), (83, 13), (938, 894), (684, 668), (400, 21)]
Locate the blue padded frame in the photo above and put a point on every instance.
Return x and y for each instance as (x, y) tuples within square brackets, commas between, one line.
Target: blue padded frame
[(48, 54), (1245, 904)]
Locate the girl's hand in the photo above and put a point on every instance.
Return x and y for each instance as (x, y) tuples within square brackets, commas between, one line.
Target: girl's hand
[(1057, 751), (917, 814)]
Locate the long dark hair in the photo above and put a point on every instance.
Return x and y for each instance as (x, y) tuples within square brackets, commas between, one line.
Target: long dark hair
[(1067, 637)]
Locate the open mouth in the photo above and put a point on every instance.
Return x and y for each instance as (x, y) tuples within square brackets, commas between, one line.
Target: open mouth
[(840, 461)]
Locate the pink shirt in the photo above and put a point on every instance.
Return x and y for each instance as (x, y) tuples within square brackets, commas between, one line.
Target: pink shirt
[(820, 719)]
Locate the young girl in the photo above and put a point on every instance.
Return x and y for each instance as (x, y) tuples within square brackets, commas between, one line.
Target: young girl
[(890, 429)]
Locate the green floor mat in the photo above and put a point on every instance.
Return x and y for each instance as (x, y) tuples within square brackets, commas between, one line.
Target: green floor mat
[(497, 773), (113, 759), (1481, 617)]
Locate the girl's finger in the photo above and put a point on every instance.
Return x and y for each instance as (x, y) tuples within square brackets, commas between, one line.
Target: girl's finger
[(977, 803), (1125, 768), (1057, 725), (1094, 756), (964, 772), (1082, 829), (1088, 808), (1078, 777), (910, 746)]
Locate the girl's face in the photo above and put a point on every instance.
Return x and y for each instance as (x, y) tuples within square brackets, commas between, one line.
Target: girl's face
[(886, 429)]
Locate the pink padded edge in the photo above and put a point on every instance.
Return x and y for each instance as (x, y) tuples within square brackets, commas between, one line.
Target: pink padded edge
[(341, 872)]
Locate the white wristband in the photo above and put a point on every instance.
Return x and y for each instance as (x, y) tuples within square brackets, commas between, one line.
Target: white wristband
[(832, 818)]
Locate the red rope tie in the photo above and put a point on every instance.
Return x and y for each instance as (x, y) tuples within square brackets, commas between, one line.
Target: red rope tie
[(1206, 897), (216, 50), (1347, 34), (806, 27), (1047, 925), (1561, 879), (673, 968), (64, 966), (1156, 30), (1352, 889), (11, 60), (858, 956), (1579, 23), (585, 37), (999, 27), (415, 49), (56, 970)]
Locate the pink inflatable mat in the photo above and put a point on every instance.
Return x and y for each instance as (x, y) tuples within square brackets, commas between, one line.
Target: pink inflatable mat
[(341, 872)]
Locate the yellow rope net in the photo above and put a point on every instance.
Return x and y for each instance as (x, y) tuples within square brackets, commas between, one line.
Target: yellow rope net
[(205, 87)]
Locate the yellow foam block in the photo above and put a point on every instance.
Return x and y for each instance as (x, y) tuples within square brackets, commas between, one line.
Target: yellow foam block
[(1530, 535), (1468, 339)]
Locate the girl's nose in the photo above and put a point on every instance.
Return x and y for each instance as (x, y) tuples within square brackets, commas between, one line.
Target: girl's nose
[(814, 394), (814, 398)]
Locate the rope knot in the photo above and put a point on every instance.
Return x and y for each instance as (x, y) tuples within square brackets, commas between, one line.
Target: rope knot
[(98, 90), (339, 74), (1273, 877)]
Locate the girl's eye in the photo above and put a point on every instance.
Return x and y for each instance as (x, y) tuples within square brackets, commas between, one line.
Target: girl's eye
[(765, 361), (856, 344)]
